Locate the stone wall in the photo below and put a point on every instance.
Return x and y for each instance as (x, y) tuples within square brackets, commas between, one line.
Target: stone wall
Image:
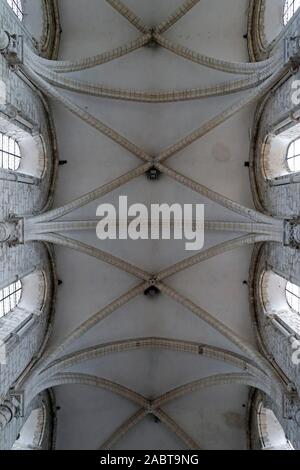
[(25, 109), (276, 115), (20, 346), (275, 339), (263, 436)]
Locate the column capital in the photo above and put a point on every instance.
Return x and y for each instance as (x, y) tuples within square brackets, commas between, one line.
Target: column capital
[(291, 406), (14, 50), (7, 413), (292, 233), (4, 40), (11, 231), (12, 407)]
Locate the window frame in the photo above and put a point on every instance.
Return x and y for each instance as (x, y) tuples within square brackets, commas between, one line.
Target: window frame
[(296, 156), (288, 6), (17, 8), (13, 296), (267, 432), (6, 152), (290, 295)]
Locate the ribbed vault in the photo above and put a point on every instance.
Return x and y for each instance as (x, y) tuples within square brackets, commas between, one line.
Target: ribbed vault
[(69, 226)]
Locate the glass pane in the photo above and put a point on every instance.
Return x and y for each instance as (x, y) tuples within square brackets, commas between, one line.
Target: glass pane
[(293, 156), (9, 153), (10, 297), (290, 8), (293, 296), (5, 143), (16, 6)]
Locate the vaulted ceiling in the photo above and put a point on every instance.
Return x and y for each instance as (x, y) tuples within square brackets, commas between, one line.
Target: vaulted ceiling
[(209, 417)]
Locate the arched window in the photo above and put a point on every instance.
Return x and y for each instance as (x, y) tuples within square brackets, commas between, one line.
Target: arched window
[(10, 297), (293, 296), (293, 156), (10, 155), (16, 7), (281, 300), (281, 156), (271, 433), (290, 8), (32, 432)]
